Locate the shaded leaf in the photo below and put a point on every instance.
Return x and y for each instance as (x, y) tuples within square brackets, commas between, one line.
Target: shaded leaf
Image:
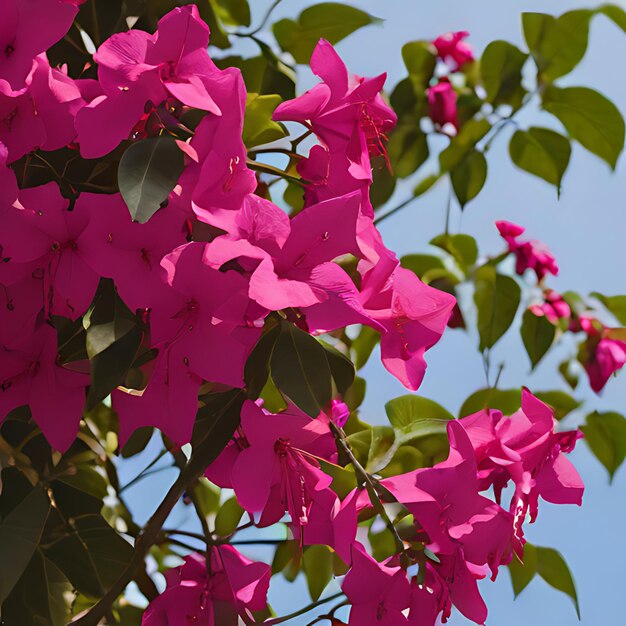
[(317, 563), (329, 20), (551, 566), (462, 247), (497, 298), (228, 517), (257, 368), (407, 148), (469, 176), (420, 59), (501, 70), (562, 403), (523, 572), (463, 144), (300, 369), (341, 367), (148, 172), (364, 345), (541, 152), (615, 304), (538, 335)]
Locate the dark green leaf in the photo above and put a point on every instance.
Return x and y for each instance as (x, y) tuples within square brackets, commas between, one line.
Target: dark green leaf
[(317, 563), (137, 442), (501, 69), (420, 58), (92, 555), (300, 369), (421, 264), (562, 403), (538, 335), (554, 570), (20, 533), (557, 44), (541, 152), (257, 368), (356, 394), (341, 368), (605, 434), (384, 183), (590, 118), (497, 298), (505, 400), (148, 171), (233, 12), (469, 177), (329, 20), (228, 517), (407, 148), (258, 126), (461, 145)]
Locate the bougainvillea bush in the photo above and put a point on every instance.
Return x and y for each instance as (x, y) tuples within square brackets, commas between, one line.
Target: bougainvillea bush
[(190, 259)]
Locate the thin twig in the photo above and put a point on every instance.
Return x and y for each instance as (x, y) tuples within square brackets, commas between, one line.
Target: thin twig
[(306, 609)]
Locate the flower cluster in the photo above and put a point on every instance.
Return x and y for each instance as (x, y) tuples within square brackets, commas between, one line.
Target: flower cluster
[(442, 98)]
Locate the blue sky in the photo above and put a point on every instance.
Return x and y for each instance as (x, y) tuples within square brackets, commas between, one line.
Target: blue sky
[(584, 229)]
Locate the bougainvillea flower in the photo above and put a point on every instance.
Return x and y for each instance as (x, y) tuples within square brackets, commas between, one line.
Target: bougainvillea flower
[(608, 357), (347, 114), (31, 375), (378, 593), (525, 449), (275, 468), (129, 252), (554, 307), (429, 599), (21, 309), (453, 50), (27, 29), (43, 234), (442, 104), (446, 505), (42, 114), (414, 317), (169, 402), (339, 413), (212, 595), (135, 68), (532, 255)]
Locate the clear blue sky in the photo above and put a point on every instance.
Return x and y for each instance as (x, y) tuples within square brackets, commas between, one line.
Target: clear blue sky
[(585, 229)]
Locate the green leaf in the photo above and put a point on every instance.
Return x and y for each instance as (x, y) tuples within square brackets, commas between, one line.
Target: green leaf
[(317, 563), (497, 298), (554, 570), (605, 434), (462, 247), (523, 572), (92, 555), (257, 368), (341, 367), (420, 58), (421, 264), (501, 70), (615, 304), (557, 44), (329, 20), (356, 394), (425, 184), (364, 345), (20, 533), (463, 144), (137, 442), (562, 403), (382, 447), (414, 416), (468, 178), (148, 172), (538, 335), (258, 126), (233, 12), (505, 400), (614, 13), (228, 517), (300, 369), (407, 148), (541, 152), (590, 118)]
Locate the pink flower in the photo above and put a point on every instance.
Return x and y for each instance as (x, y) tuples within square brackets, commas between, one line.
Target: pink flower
[(525, 449), (208, 596), (135, 68), (532, 255), (430, 599), (608, 357), (30, 374), (28, 28), (413, 315), (555, 308), (378, 593), (453, 50), (442, 103), (41, 236), (339, 413)]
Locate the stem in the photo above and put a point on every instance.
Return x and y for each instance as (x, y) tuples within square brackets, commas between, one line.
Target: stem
[(145, 541), (145, 471), (448, 207), (371, 490), (306, 609), (264, 21), (379, 219), (257, 542), (184, 533)]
